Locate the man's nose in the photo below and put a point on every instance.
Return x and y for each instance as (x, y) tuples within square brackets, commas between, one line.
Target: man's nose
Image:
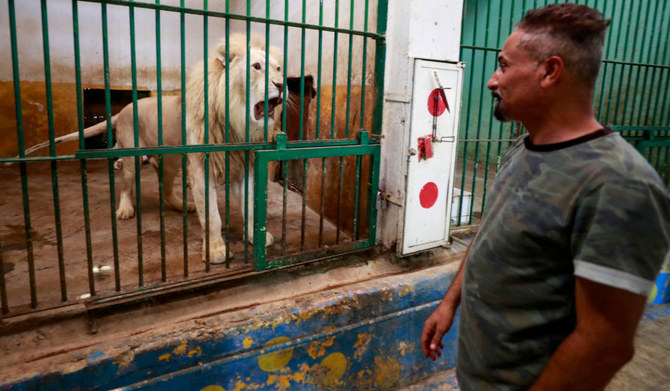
[(493, 82)]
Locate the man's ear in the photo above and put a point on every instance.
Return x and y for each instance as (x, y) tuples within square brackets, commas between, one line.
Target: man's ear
[(552, 70)]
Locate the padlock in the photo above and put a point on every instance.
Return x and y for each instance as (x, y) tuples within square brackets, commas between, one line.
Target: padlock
[(425, 147), (428, 146), (422, 148)]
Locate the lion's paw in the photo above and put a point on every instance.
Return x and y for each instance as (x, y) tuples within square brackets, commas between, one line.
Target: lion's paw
[(217, 254), (125, 212), (190, 206), (269, 239)]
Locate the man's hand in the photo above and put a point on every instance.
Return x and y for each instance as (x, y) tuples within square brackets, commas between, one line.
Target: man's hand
[(437, 324)]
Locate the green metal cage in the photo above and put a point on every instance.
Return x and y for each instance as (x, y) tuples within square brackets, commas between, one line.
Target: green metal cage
[(631, 94), (340, 135)]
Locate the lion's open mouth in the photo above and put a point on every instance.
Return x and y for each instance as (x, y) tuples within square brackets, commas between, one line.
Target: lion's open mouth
[(259, 108)]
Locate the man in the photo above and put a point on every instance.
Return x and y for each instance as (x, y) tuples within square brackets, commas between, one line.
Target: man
[(576, 227)]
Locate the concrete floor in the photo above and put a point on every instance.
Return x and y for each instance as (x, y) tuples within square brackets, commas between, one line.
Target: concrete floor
[(648, 371), (48, 281)]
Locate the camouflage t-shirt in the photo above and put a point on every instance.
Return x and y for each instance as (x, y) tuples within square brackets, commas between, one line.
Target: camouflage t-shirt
[(591, 207)]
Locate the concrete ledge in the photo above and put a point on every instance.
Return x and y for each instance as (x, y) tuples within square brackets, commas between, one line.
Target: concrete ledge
[(363, 335)]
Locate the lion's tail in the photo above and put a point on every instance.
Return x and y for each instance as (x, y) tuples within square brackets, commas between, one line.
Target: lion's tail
[(91, 131)]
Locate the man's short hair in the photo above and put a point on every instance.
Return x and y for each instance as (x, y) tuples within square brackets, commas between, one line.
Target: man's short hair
[(576, 33)]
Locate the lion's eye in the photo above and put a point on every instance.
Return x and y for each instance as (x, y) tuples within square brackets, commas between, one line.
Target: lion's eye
[(278, 68), (257, 66)]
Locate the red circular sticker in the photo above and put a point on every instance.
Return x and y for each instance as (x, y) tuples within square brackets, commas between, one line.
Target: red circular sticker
[(428, 195), (436, 104)]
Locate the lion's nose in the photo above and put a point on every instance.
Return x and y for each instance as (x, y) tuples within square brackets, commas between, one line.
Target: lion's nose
[(280, 86)]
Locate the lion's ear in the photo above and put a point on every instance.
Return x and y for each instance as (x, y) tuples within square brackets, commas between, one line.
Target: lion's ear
[(221, 54)]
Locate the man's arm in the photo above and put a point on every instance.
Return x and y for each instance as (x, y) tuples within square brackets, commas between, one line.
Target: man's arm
[(439, 322), (601, 343)]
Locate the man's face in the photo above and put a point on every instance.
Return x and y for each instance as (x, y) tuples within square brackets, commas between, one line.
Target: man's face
[(514, 85)]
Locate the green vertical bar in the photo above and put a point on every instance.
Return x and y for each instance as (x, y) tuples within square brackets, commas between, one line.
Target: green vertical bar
[(285, 67), (332, 119), (80, 125), (372, 195), (52, 150), (22, 164), (380, 64), (606, 55), (318, 125), (206, 93), (357, 193), (624, 56), (614, 68), (284, 164), (161, 179), (358, 158), (481, 102), (630, 72), (182, 37), (351, 44), (490, 136), (649, 120), (333, 104), (501, 126), (363, 68), (260, 213), (467, 115), (137, 160), (643, 119), (227, 137), (300, 127), (267, 71), (110, 138), (247, 161)]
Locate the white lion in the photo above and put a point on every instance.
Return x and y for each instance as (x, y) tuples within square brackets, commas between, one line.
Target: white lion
[(237, 93)]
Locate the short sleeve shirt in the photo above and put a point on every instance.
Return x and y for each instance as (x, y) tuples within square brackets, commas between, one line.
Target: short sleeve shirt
[(591, 207)]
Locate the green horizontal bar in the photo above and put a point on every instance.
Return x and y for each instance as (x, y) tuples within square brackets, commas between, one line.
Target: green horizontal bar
[(181, 149), (168, 149), (641, 128), (331, 251), (36, 159), (324, 143), (317, 152), (652, 144), (227, 15), (473, 47), (639, 64)]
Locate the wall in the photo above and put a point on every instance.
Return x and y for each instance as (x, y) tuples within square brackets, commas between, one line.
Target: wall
[(60, 36)]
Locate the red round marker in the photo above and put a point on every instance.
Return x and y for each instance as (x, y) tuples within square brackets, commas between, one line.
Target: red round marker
[(434, 110), (428, 195)]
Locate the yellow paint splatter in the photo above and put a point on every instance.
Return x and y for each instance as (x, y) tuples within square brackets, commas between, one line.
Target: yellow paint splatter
[(274, 361), (405, 290), (195, 351), (387, 372), (403, 347), (181, 349), (248, 341), (652, 294), (239, 386), (337, 365), (213, 388), (284, 379), (318, 348), (165, 357), (362, 345)]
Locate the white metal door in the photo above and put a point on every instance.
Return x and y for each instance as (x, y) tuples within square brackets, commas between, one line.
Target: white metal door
[(434, 127)]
